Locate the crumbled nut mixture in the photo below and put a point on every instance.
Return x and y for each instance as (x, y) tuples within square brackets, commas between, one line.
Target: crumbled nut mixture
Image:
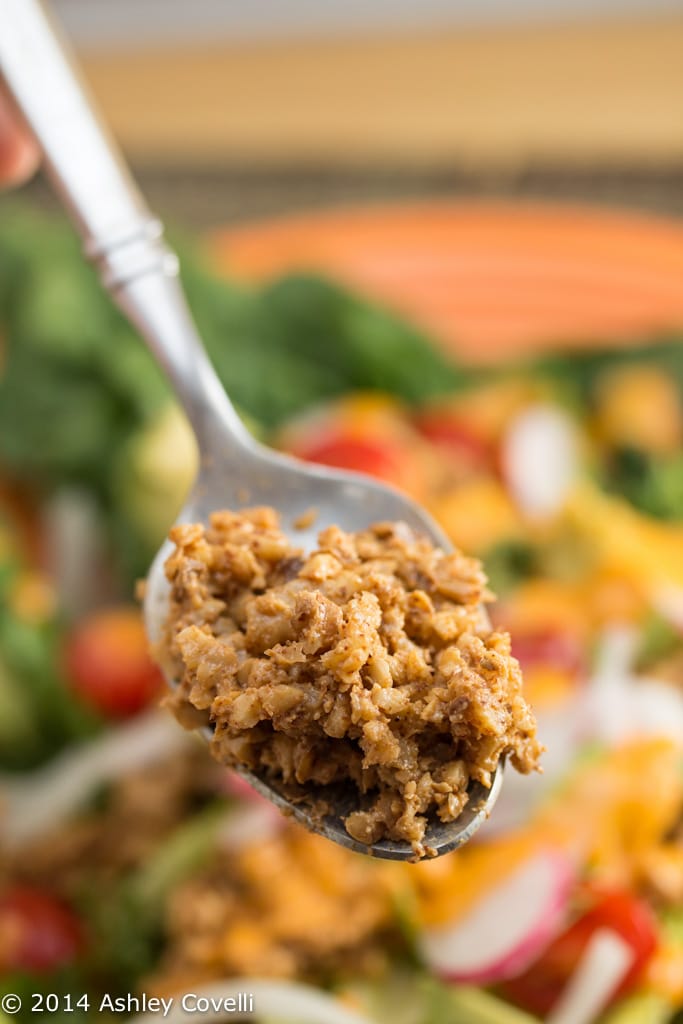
[(368, 661), (291, 906)]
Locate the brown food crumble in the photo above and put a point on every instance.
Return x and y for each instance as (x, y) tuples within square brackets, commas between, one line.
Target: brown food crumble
[(291, 906), (369, 660)]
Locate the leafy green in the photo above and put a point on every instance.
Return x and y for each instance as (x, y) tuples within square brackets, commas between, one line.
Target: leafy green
[(123, 944), (410, 997), (302, 340), (62, 983), (508, 563), (642, 1008), (63, 405), (672, 925), (652, 484), (658, 639), (576, 373), (78, 386), (126, 927), (38, 714), (470, 1005), (406, 917), (297, 341), (188, 848)]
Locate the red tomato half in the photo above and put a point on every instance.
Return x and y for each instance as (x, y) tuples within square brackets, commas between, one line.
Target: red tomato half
[(38, 933), (456, 440), (361, 455), (108, 663), (550, 647), (539, 987)]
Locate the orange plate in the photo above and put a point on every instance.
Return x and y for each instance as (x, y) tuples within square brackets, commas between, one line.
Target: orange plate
[(488, 279)]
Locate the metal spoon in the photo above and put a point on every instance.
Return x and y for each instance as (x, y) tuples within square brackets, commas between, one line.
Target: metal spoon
[(139, 271)]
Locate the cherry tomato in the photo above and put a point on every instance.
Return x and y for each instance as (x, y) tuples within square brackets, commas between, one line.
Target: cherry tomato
[(108, 663), (38, 933), (362, 455), (550, 647), (539, 987), (456, 439)]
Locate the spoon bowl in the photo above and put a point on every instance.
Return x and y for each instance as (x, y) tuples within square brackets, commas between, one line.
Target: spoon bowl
[(244, 474)]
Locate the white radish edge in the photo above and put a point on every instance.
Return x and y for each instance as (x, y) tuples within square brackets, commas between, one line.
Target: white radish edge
[(37, 802), (507, 929), (619, 705), (71, 523), (252, 819), (248, 824), (604, 964), (562, 730), (540, 460), (278, 1000)]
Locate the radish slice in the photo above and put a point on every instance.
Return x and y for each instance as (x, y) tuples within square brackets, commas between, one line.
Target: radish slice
[(604, 964), (508, 929), (35, 803), (277, 1000), (540, 460)]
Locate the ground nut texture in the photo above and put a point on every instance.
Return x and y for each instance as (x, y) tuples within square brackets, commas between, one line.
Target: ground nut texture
[(366, 662)]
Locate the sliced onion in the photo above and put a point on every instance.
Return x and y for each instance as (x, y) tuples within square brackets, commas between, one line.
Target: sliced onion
[(604, 964), (284, 1001), (36, 803), (540, 460)]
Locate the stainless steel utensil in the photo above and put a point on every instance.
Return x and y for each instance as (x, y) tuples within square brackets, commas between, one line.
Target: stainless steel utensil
[(139, 271)]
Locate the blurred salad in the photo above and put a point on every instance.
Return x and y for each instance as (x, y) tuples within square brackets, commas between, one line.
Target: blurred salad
[(130, 863)]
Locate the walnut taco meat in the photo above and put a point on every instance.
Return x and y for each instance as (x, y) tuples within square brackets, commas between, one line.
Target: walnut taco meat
[(367, 662)]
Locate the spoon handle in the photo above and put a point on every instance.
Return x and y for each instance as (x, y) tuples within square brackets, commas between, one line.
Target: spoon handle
[(119, 234)]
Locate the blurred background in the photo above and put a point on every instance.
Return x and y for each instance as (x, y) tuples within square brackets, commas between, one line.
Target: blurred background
[(438, 242), (277, 106)]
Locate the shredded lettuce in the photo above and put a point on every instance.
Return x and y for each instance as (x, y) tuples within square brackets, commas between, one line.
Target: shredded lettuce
[(643, 1008), (408, 996)]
